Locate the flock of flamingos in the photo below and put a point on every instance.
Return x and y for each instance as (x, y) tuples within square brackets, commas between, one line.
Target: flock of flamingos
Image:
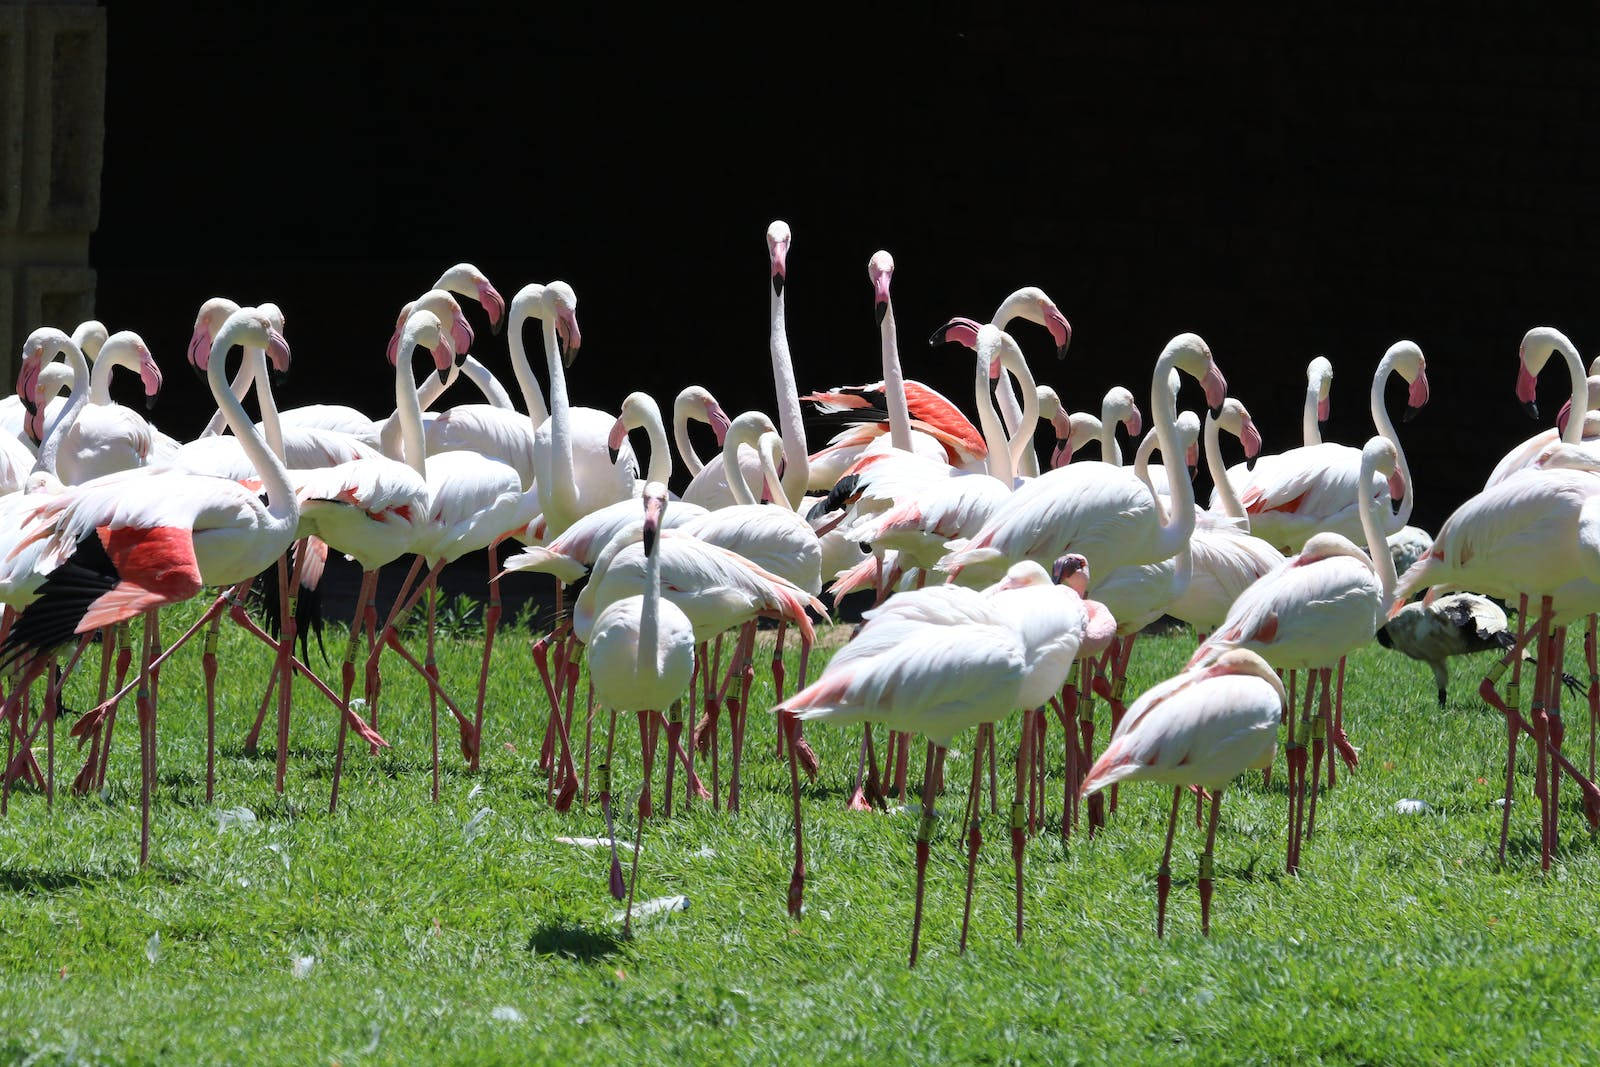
[(1002, 583)]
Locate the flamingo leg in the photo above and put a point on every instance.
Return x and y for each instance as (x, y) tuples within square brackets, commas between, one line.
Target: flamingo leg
[(491, 622), (1340, 742), (588, 730), (1589, 654), (797, 878), (83, 783), (1097, 808), (778, 673), (147, 739), (290, 587), (430, 667), (1512, 706), (1069, 757), (738, 716), (347, 678), (1319, 729), (1557, 732), (645, 730), (208, 665), (1018, 819), (1206, 864), (603, 772), (124, 664), (1164, 872), (974, 837), (1295, 758), (931, 774), (558, 725), (1541, 724)]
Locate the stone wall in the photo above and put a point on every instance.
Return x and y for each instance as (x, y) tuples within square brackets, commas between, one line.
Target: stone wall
[(52, 134)]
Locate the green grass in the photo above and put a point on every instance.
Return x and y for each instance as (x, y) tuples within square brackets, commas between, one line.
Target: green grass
[(1400, 941)]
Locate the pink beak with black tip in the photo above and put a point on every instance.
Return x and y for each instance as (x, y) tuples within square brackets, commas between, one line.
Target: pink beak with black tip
[(1417, 397), (1216, 387), (1527, 390), (719, 421), (1060, 329), (961, 331)]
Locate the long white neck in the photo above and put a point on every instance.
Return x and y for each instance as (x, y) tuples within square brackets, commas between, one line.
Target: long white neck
[(894, 385), (1310, 428), (100, 378), (1176, 528), (281, 503), (737, 486), (1573, 433), (1110, 450), (650, 613), (51, 448), (564, 487), (1141, 470), (479, 375), (532, 399), (1024, 460), (680, 437), (409, 409), (271, 427), (54, 377), (238, 387), (1373, 527), (1380, 419), (660, 455), (994, 434), (1219, 475), (1010, 411), (770, 476), (796, 464)]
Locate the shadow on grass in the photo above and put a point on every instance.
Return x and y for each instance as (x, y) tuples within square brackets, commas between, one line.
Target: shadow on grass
[(564, 938), (33, 880)]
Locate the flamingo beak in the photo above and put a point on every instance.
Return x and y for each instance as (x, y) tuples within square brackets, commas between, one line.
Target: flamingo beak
[(779, 254), (1067, 566), (494, 304), (1418, 396), (150, 374), (567, 335), (1250, 437), (1134, 422), (200, 346), (1563, 415), (1527, 390), (619, 434), (1059, 328), (994, 368), (444, 358), (959, 330), (1324, 408), (719, 422), (462, 334), (1191, 458), (33, 423), (278, 351), (1397, 486), (1216, 387), (1060, 455), (653, 507), (880, 296)]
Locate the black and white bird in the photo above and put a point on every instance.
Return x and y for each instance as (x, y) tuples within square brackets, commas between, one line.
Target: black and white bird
[(1461, 624)]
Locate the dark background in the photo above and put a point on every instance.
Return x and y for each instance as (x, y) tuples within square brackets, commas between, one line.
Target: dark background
[(1294, 183)]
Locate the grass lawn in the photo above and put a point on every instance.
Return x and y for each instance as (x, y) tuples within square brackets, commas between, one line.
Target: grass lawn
[(463, 931)]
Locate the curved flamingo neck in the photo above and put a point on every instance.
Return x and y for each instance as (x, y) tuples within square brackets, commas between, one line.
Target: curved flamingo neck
[(894, 385), (994, 434), (1310, 428), (57, 430), (480, 376), (796, 464), (649, 420), (1021, 442), (1012, 307), (1141, 470), (1385, 426), (271, 426), (1572, 433), (1110, 449), (527, 384), (1219, 476), (769, 453), (238, 388), (1176, 528), (281, 504), (100, 376), (737, 485), (407, 406), (680, 438), (1371, 525)]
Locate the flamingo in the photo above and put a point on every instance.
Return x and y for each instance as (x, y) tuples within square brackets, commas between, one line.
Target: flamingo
[(1308, 490), (950, 662), (53, 378), (1102, 512), (1200, 728), (1535, 534), (1310, 612), (110, 554), (1118, 407), (641, 654), (1319, 382), (107, 437), (1030, 303), (1538, 345), (695, 403)]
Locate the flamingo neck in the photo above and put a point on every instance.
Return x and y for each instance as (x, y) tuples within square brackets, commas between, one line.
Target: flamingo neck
[(1141, 470), (1310, 428), (562, 508), (1385, 426), (1010, 308), (476, 373), (796, 464), (238, 387), (650, 611), (100, 379), (51, 448), (1219, 476), (680, 437), (737, 485), (771, 477), (1110, 450), (660, 469), (408, 406), (1372, 526), (894, 385), (281, 503), (271, 426), (994, 434), (1573, 432), (532, 399), (1024, 460), (1177, 527)]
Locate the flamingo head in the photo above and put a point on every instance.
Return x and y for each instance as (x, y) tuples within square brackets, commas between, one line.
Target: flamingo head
[(451, 317), (251, 327), (1237, 421), (1033, 304), (636, 408), (717, 418), (213, 313), (961, 331), (1188, 353), (1119, 406), (129, 346), (1379, 455), (880, 268), (562, 304), (468, 280), (1406, 358), (277, 358), (778, 254), (655, 507), (1319, 378), (42, 346), (1072, 571), (425, 328), (1022, 576), (90, 337), (1538, 344), (1060, 329)]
